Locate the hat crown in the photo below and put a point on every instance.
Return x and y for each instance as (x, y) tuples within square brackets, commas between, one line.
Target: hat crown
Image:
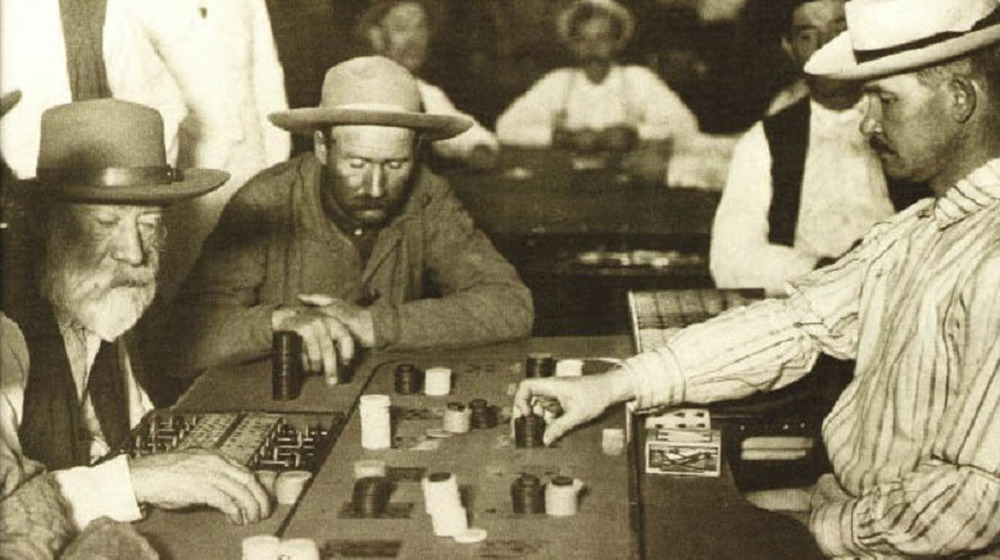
[(371, 82), (101, 134), (913, 20)]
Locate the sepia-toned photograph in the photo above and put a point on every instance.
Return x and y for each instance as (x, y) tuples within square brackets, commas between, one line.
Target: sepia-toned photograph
[(499, 279)]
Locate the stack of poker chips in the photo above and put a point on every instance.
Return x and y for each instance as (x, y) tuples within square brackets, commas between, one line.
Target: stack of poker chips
[(528, 431), (527, 494), (457, 418), (376, 425), (539, 364), (371, 496), (409, 379), (286, 366), (437, 382), (444, 504), (484, 416), (562, 495), (269, 547)]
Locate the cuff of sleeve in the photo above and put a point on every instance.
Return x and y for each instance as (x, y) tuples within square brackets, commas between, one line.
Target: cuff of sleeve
[(833, 527), (656, 378), (385, 321), (103, 490)]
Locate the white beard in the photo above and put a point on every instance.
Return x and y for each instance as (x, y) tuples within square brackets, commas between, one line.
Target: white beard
[(88, 298)]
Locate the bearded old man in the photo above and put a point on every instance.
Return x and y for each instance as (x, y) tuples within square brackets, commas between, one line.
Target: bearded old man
[(71, 387)]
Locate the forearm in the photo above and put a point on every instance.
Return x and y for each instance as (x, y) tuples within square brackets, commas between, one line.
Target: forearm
[(739, 353), (936, 511), (480, 315)]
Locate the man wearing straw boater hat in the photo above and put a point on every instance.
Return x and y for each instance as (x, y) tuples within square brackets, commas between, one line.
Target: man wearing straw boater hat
[(72, 387), (913, 440), (346, 245)]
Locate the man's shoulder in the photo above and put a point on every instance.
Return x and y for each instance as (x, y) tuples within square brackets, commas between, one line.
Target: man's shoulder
[(429, 188), (271, 186)]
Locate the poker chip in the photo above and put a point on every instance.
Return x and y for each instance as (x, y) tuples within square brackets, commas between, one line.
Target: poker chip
[(438, 433), (470, 536)]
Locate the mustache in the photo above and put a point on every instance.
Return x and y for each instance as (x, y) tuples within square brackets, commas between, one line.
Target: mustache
[(132, 277)]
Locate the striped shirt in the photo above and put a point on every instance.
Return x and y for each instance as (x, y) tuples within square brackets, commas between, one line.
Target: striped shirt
[(914, 440)]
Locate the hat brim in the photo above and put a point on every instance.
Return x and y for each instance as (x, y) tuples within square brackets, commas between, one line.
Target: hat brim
[(431, 126), (837, 60), (196, 182)]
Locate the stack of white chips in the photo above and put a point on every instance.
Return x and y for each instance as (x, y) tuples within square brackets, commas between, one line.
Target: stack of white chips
[(366, 468), (562, 496), (288, 486), (269, 547), (569, 368), (444, 504), (437, 381), (376, 427), (457, 419)]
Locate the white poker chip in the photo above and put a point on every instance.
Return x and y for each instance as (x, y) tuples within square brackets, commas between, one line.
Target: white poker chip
[(438, 433), (470, 536)]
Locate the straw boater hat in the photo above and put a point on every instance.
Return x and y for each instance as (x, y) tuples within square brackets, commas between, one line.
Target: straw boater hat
[(886, 37), (111, 151), (371, 90), (612, 8)]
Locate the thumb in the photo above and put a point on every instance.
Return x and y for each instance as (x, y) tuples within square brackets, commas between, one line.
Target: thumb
[(558, 427), (316, 300)]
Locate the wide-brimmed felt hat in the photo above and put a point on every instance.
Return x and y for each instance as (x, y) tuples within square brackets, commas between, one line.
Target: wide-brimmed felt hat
[(886, 37), (8, 100), (378, 9), (610, 7), (111, 151), (371, 90)]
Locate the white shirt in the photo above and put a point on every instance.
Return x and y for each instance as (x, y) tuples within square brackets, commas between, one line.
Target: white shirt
[(33, 60), (843, 195), (629, 95), (91, 492), (223, 55), (436, 101)]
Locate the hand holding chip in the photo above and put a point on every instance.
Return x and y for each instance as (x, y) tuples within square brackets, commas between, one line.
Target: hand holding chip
[(580, 399)]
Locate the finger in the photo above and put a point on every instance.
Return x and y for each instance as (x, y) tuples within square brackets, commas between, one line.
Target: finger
[(558, 427), (214, 497), (329, 354), (229, 481), (344, 339), (316, 300), (311, 336), (523, 398), (242, 475)]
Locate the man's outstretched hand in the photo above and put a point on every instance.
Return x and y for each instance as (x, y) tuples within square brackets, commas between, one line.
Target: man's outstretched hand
[(581, 398), (200, 477)]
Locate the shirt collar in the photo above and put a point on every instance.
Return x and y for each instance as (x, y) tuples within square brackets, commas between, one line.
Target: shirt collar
[(976, 191)]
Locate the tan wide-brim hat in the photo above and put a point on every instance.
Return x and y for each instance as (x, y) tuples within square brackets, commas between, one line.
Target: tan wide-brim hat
[(610, 7), (9, 100), (112, 152), (886, 37), (371, 90)]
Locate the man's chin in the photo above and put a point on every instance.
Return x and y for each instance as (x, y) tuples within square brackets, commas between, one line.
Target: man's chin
[(113, 314), (372, 217)]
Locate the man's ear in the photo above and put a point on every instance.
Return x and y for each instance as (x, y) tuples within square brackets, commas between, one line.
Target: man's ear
[(963, 95), (320, 147), (376, 39), (786, 47)]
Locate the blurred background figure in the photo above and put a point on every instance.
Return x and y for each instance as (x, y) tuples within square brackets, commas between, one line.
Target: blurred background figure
[(401, 30), (598, 104), (224, 58), (803, 185), (60, 51)]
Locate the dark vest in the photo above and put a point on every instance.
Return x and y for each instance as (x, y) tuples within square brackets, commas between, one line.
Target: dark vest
[(83, 31), (787, 134), (52, 429)]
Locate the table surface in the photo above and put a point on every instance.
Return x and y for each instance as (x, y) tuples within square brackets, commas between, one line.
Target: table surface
[(681, 518)]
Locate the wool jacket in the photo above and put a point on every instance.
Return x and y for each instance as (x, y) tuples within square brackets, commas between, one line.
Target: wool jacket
[(274, 242)]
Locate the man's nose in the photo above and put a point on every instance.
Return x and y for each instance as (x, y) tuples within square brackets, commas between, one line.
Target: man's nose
[(376, 182), (129, 247), (871, 123)]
